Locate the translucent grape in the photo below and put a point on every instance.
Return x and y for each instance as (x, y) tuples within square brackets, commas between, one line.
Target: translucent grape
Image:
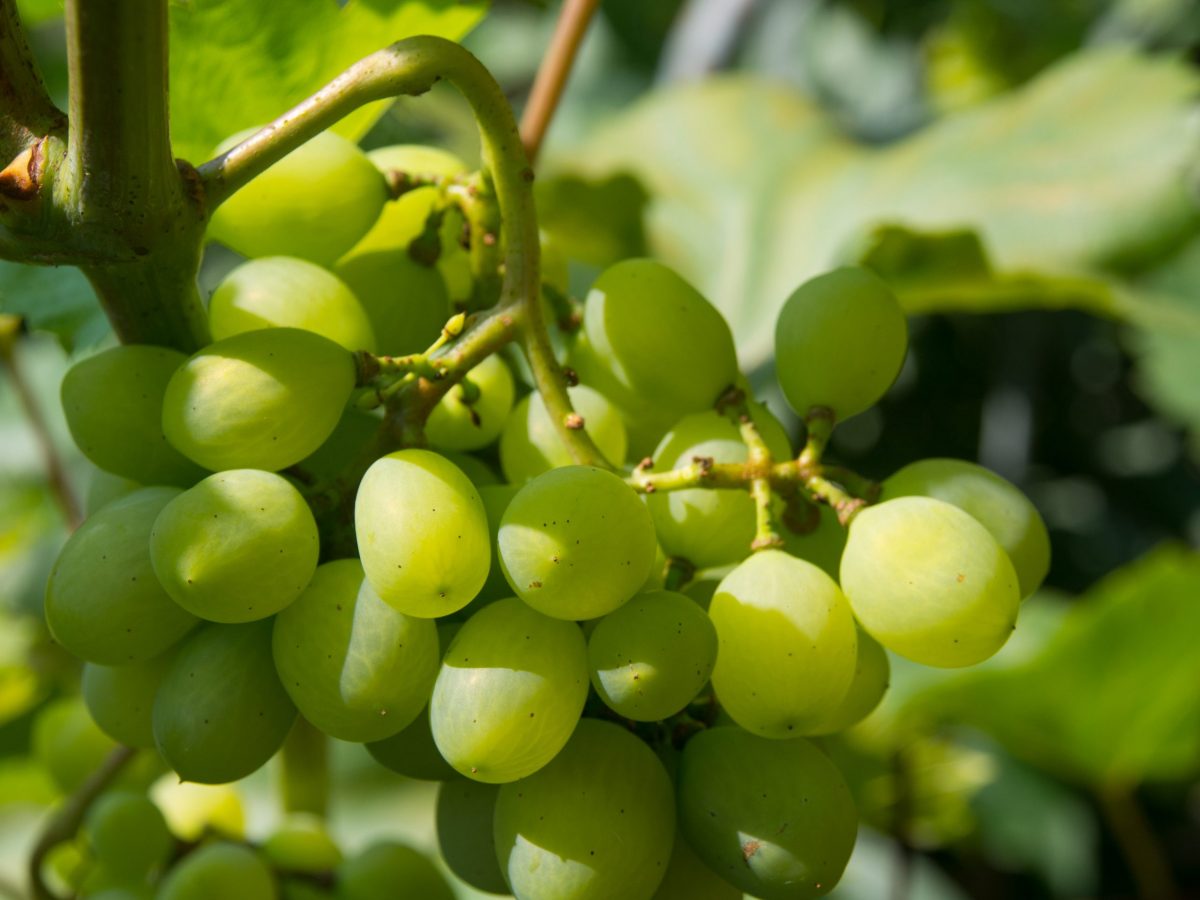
[(391, 871), (234, 405), (929, 582), (127, 833), (465, 810), (121, 698), (219, 870), (688, 878), (302, 844), (787, 645), (872, 672), (530, 445), (459, 424)]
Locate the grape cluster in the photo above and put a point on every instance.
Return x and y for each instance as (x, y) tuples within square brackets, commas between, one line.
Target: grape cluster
[(619, 697)]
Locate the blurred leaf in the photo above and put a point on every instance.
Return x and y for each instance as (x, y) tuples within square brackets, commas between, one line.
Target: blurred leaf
[(55, 299), (22, 780), (641, 27), (34, 12), (597, 222)]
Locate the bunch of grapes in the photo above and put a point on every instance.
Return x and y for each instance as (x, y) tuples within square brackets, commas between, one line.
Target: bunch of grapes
[(620, 671)]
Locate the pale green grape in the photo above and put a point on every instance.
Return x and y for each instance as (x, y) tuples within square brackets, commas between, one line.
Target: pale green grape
[(530, 445), (345, 446), (302, 844), (872, 671), (416, 159), (219, 870), (509, 693), (929, 582), (775, 818), (391, 871), (113, 405), (283, 292), (221, 711), (104, 487), (103, 601), (576, 542), (465, 810), (597, 822), (839, 342), (260, 400), (413, 753), (354, 666), (999, 506), (127, 833), (820, 539), (422, 533), (239, 546), (456, 424), (649, 658), (787, 645), (121, 698), (315, 203), (688, 878)]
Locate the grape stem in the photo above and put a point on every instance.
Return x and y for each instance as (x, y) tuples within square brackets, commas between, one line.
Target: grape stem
[(766, 533)]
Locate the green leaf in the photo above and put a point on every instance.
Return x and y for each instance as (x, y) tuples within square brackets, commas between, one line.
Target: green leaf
[(55, 299)]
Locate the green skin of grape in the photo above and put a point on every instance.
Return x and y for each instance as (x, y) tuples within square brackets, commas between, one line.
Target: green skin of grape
[(221, 712), (389, 871), (688, 878), (70, 746), (104, 487), (422, 533), (457, 425), (465, 812), (416, 159), (576, 543), (121, 698), (284, 292), (234, 404), (495, 501), (113, 405), (872, 673), (929, 582), (413, 753), (822, 545), (127, 834), (787, 645), (652, 656), (354, 666), (347, 444), (239, 546), (315, 203), (530, 445), (596, 823), (773, 817), (103, 601), (302, 844), (510, 692), (840, 340), (219, 870), (999, 506)]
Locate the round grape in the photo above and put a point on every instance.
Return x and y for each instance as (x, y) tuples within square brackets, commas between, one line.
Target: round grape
[(872, 672), (121, 698), (127, 834), (391, 871), (219, 870), (460, 423), (530, 445), (302, 844), (465, 811)]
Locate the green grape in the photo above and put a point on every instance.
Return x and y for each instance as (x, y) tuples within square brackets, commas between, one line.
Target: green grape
[(239, 546), (530, 445), (422, 533), (820, 540), (787, 645), (839, 342), (315, 203), (929, 582), (196, 810), (872, 672), (413, 753), (576, 542), (221, 711), (510, 691), (113, 405), (138, 892), (465, 810), (496, 498), (481, 474), (710, 527), (649, 658), (68, 743), (283, 292), (354, 666), (103, 601), (127, 833), (999, 506), (121, 698), (298, 889), (260, 400), (701, 591), (391, 871), (104, 487), (774, 818), (596, 822), (416, 159), (344, 447), (302, 844), (219, 870), (688, 878), (456, 424)]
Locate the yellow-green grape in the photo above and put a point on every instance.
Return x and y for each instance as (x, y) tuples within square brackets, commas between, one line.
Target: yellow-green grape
[(239, 546), (416, 159), (391, 871), (774, 818), (701, 591), (113, 405), (530, 445), (465, 810), (344, 447), (105, 487), (576, 542), (354, 666), (221, 711), (471, 416), (839, 342), (284, 292), (121, 698), (872, 672), (481, 474), (260, 400), (786, 645), (194, 810), (509, 693), (219, 870), (412, 753), (820, 540), (422, 533), (103, 601), (999, 506), (929, 582), (315, 203), (688, 878), (649, 658), (127, 834), (302, 844), (598, 821)]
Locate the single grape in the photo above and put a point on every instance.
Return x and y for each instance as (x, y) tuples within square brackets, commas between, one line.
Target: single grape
[(354, 666), (509, 693), (418, 160), (104, 487), (820, 538), (219, 870), (481, 473), (688, 878), (121, 698), (236, 404), (787, 645), (701, 591), (413, 753), (391, 871), (839, 342), (302, 844), (194, 810), (127, 833), (460, 423), (344, 447), (596, 822), (774, 818), (221, 711), (465, 810), (530, 445), (68, 744), (872, 672), (113, 405), (929, 582), (576, 542), (649, 658), (103, 601), (422, 533)]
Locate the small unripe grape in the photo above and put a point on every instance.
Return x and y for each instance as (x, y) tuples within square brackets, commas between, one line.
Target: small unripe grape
[(531, 445), (302, 844), (121, 698), (127, 833), (391, 871), (219, 870), (459, 423)]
